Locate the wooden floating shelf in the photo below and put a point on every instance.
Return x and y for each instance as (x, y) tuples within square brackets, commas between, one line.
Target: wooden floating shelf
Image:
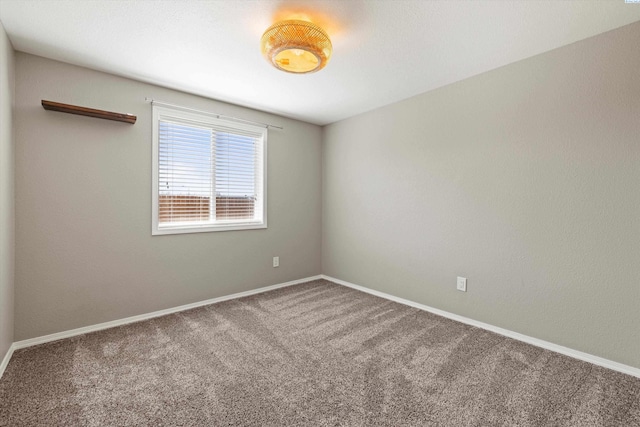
[(91, 112)]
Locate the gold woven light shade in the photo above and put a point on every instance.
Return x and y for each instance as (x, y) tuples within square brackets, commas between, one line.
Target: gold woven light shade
[(296, 46)]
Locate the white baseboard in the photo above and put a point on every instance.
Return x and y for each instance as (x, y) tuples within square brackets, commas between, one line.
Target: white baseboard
[(7, 358), (505, 332), (586, 357), (133, 319)]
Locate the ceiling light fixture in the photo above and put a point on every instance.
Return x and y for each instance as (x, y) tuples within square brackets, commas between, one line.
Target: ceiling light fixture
[(296, 46)]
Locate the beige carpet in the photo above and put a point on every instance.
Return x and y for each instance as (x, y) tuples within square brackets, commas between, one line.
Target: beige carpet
[(311, 354)]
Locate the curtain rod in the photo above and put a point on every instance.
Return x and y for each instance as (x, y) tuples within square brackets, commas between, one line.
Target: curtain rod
[(219, 116)]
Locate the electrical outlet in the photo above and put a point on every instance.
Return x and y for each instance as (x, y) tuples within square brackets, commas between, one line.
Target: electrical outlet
[(462, 284), (276, 261)]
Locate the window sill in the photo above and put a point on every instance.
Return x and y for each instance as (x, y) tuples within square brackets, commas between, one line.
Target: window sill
[(188, 229)]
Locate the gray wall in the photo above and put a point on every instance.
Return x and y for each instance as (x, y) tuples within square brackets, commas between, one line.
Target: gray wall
[(525, 180), (84, 250), (6, 193)]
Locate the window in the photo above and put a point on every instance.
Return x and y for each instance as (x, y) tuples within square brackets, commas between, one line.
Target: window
[(208, 173)]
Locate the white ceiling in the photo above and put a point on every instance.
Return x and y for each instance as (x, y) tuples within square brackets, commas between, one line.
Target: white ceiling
[(384, 51)]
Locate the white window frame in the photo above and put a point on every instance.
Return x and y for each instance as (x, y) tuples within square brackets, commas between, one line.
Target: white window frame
[(161, 113)]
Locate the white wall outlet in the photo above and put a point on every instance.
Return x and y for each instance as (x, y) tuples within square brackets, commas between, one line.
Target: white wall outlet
[(276, 261), (461, 284)]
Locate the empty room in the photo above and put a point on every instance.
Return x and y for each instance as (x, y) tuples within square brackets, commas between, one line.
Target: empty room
[(320, 213)]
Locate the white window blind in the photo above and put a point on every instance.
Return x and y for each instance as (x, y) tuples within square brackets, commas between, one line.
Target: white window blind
[(208, 173)]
